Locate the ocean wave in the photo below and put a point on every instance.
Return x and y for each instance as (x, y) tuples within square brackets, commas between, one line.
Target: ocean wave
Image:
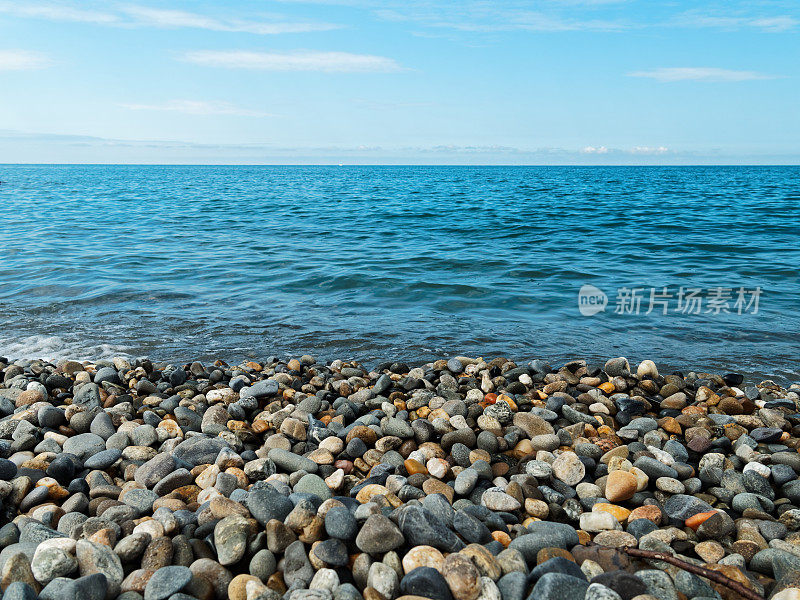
[(54, 348)]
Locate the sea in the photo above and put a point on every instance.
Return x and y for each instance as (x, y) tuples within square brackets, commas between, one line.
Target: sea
[(696, 268)]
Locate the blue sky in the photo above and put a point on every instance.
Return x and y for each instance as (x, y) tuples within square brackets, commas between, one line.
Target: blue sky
[(412, 81)]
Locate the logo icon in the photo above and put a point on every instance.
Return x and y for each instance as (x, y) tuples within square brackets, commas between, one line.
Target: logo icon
[(591, 300)]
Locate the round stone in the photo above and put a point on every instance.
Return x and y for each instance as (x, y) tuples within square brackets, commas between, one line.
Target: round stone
[(567, 467), (620, 486)]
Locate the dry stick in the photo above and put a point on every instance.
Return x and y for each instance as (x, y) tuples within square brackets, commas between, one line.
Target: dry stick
[(714, 576)]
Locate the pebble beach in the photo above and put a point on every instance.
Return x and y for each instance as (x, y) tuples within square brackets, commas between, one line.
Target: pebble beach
[(459, 479)]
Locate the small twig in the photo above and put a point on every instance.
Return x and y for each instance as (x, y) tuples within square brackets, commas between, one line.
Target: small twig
[(714, 576)]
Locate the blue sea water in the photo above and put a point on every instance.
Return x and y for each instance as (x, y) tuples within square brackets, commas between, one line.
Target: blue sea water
[(413, 263)]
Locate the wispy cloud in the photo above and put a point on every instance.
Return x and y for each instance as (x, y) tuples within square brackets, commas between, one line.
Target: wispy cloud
[(594, 150), (20, 146), (198, 108), (22, 60), (635, 151), (495, 17), (57, 12), (293, 61), (133, 15), (171, 19), (669, 74), (566, 15), (649, 150), (769, 24), (487, 15)]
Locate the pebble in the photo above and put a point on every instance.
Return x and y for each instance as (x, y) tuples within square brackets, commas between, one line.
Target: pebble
[(379, 535), (567, 467), (558, 586), (461, 479), (167, 581), (462, 577), (499, 501), (426, 582), (620, 486)]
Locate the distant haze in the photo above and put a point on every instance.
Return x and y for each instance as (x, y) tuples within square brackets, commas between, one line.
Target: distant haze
[(413, 82)]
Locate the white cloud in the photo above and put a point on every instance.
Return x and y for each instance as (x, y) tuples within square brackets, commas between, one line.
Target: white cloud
[(170, 19), (293, 61), (594, 150), (22, 60), (772, 24), (56, 12), (669, 74), (494, 17), (199, 108), (649, 150), (775, 24), (141, 16), (26, 147), (635, 151)]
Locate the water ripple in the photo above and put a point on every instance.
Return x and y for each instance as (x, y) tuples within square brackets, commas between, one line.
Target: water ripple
[(406, 262)]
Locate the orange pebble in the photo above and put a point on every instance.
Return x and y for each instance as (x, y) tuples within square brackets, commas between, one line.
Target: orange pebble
[(260, 426), (502, 537), (619, 512), (490, 398), (698, 519), (607, 387), (583, 537), (648, 511), (413, 467)]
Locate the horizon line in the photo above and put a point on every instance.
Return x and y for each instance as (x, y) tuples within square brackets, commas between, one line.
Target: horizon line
[(335, 164)]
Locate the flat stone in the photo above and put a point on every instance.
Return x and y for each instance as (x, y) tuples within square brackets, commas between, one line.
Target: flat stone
[(426, 582), (681, 507), (103, 459), (230, 539), (658, 584), (84, 445), (496, 499), (199, 450), (292, 462), (544, 534), (625, 584), (167, 581), (568, 468), (266, 503), (313, 484), (379, 535), (49, 563), (421, 528), (557, 564), (462, 577), (97, 558), (557, 586), (155, 469)]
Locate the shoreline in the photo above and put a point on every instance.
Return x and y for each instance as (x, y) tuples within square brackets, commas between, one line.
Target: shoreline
[(461, 479)]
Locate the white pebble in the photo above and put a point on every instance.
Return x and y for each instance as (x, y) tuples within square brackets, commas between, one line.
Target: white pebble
[(599, 521), (759, 468), (325, 579), (489, 589)]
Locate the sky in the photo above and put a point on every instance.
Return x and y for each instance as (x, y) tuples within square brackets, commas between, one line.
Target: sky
[(400, 82)]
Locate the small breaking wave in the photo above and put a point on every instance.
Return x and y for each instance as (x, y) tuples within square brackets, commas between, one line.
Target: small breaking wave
[(54, 348)]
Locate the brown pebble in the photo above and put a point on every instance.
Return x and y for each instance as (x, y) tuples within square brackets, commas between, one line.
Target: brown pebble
[(546, 554), (462, 577)]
